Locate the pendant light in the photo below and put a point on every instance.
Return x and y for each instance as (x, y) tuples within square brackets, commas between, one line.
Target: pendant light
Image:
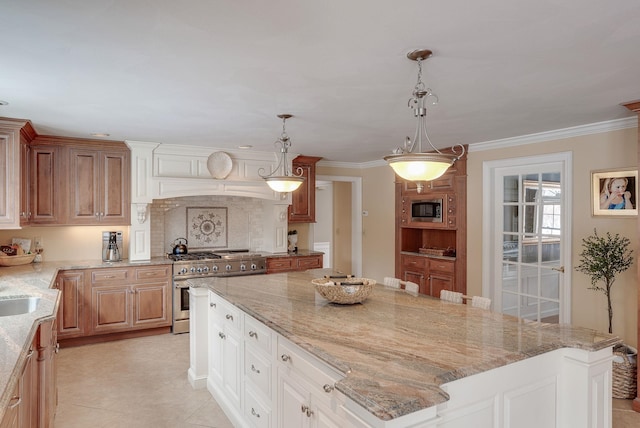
[(409, 162), (287, 181)]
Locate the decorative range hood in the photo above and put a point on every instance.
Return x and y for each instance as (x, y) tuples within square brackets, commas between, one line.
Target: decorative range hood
[(160, 171)]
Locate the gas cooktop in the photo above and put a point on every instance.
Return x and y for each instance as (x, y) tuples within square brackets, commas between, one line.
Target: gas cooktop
[(213, 255)]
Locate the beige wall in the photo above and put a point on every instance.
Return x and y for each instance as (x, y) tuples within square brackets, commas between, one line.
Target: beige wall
[(608, 150)]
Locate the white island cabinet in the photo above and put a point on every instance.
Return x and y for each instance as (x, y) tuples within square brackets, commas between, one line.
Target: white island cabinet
[(273, 353)]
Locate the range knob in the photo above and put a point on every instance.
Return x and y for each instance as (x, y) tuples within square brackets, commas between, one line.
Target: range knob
[(243, 267), (193, 269), (183, 270), (205, 269), (215, 268), (228, 267), (199, 270), (253, 266)]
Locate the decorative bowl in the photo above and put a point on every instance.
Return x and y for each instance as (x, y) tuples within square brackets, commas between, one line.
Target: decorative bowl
[(17, 260), (345, 291)]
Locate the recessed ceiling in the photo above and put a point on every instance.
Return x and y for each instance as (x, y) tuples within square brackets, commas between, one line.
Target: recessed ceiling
[(216, 73)]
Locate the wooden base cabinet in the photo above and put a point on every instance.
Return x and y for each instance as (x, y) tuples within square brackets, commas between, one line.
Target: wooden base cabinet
[(33, 402), (293, 263), (113, 300)]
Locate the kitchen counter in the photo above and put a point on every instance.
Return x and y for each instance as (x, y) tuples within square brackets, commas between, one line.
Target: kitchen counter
[(17, 332), (300, 253), (396, 350)]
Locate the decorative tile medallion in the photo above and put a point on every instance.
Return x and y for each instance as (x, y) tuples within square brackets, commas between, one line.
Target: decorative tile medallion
[(207, 227)]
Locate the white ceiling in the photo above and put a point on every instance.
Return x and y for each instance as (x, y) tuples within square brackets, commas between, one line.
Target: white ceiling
[(216, 73)]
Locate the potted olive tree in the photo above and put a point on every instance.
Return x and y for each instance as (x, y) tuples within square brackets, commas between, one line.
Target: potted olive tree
[(602, 258)]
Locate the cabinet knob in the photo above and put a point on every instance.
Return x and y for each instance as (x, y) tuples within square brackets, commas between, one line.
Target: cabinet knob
[(253, 334), (254, 413), (285, 357), (213, 305), (222, 335), (327, 387), (254, 369), (229, 317)]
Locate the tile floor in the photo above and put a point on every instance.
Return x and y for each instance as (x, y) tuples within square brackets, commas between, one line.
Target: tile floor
[(142, 383), (133, 383)]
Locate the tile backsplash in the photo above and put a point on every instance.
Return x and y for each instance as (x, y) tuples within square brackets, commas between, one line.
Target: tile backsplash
[(244, 221)]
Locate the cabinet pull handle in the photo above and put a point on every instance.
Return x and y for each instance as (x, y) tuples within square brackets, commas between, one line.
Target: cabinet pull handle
[(304, 408), (254, 369), (327, 387), (222, 335), (109, 276), (213, 305), (229, 317), (285, 357), (57, 348), (15, 401), (253, 334), (254, 413)]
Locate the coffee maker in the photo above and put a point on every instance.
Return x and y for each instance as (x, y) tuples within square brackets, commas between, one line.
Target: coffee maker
[(111, 244)]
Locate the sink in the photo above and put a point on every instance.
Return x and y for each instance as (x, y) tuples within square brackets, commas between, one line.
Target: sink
[(18, 306)]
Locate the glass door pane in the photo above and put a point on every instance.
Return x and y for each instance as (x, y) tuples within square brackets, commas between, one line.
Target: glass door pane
[(531, 236)]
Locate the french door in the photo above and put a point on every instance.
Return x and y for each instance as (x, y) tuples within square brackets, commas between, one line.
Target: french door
[(527, 273)]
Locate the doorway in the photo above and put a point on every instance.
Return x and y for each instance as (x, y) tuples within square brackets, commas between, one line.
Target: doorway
[(526, 215), (338, 221)]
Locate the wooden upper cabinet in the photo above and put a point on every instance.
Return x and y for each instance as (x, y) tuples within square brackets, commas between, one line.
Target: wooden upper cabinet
[(99, 187), (303, 200), (48, 191)]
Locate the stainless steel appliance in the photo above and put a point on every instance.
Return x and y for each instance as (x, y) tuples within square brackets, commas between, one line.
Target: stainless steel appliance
[(111, 245), (203, 264)]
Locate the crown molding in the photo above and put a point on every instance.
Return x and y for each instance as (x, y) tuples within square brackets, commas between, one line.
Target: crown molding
[(558, 134), (540, 137)]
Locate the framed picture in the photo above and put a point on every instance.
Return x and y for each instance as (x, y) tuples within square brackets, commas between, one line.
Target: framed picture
[(614, 192), (207, 227)]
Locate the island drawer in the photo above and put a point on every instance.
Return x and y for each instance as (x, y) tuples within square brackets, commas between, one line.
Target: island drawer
[(256, 412), (319, 376), (228, 314), (258, 370), (256, 333)]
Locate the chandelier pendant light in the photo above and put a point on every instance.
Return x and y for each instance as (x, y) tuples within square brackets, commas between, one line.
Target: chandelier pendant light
[(409, 161), (286, 181)]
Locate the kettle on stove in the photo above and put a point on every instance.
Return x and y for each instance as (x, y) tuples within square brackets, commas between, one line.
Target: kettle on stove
[(111, 243)]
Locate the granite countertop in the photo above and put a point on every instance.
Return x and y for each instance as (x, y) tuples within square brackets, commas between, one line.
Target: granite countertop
[(300, 253), (17, 331), (395, 349)]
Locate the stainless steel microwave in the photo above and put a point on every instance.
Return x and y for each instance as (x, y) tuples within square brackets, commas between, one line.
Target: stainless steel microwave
[(426, 210)]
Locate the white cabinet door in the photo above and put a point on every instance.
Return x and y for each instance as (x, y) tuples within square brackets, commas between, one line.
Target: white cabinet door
[(231, 359), (215, 352), (293, 398)]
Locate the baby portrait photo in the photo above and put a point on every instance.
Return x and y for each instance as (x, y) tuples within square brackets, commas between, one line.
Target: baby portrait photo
[(615, 193)]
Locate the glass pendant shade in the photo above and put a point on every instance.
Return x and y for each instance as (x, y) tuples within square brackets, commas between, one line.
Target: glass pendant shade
[(284, 184), (420, 166)]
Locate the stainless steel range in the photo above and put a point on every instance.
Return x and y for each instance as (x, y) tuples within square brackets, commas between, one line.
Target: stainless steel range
[(203, 264)]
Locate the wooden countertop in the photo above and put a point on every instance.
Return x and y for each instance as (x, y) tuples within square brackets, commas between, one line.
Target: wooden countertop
[(17, 332), (395, 349)]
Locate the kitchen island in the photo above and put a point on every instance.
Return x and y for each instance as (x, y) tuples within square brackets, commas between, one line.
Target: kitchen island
[(396, 360)]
